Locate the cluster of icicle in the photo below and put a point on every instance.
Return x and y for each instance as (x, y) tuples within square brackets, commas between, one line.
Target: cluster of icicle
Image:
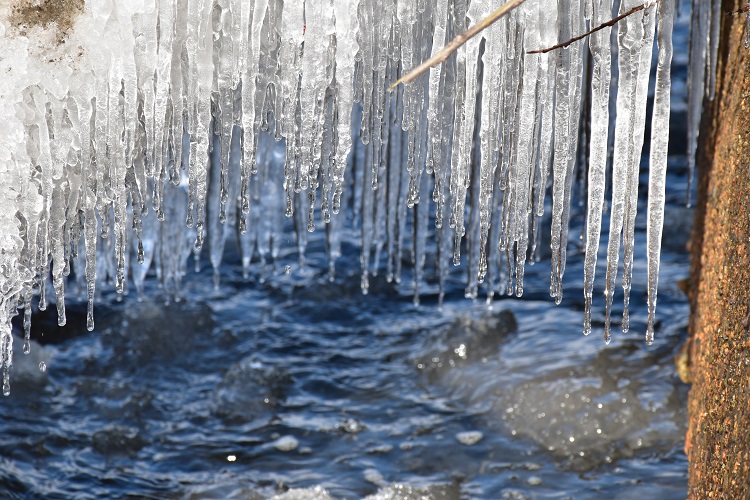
[(152, 124)]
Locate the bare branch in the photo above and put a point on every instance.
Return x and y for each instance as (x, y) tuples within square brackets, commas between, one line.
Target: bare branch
[(609, 23), (454, 44), (741, 10)]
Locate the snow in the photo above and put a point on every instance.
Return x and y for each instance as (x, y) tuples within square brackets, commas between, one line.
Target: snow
[(131, 135)]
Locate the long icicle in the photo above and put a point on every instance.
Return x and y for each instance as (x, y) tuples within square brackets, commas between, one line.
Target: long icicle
[(658, 160)]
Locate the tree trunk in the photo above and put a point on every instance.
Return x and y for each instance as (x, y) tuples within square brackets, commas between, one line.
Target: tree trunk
[(718, 440)]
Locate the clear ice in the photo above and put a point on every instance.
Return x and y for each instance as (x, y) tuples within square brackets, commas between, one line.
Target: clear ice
[(149, 130)]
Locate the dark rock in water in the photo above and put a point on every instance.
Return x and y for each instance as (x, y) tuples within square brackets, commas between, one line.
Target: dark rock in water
[(26, 375), (12, 479), (250, 388), (678, 224), (677, 133), (44, 327), (154, 331), (117, 440), (467, 340)]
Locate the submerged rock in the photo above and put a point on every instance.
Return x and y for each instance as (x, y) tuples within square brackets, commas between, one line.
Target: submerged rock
[(678, 225), (250, 388), (601, 406), (27, 373), (595, 414), (117, 440), (45, 328), (465, 341), (154, 331)]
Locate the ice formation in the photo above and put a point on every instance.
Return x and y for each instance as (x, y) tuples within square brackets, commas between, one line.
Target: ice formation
[(705, 23), (132, 129)]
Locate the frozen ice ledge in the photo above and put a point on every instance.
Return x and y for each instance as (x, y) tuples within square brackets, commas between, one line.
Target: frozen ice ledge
[(131, 129)]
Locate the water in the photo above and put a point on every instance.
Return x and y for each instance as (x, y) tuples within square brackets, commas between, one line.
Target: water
[(301, 383), (253, 388)]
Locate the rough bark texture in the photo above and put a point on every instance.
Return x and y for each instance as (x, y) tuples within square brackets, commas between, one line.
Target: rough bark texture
[(718, 440)]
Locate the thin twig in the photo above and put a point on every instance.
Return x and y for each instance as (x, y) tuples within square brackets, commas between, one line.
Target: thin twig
[(741, 10), (609, 23), (454, 44)]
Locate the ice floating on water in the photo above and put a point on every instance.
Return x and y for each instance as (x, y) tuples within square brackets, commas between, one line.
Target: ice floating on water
[(374, 476), (286, 443), (534, 481), (469, 438), (116, 114)]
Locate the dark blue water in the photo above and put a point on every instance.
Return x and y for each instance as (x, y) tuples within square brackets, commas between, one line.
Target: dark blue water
[(304, 388)]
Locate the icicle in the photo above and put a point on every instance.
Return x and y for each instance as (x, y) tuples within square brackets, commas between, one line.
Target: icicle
[(421, 219), (642, 60), (216, 185), (199, 110), (460, 176), (250, 66), (713, 54), (547, 89), (161, 99), (316, 72), (223, 96), (6, 354), (367, 216), (659, 146), (440, 15), (625, 96), (27, 321), (56, 227), (145, 248), (568, 90), (699, 33), (346, 43), (488, 137), (524, 168), (177, 103), (577, 70), (395, 174), (599, 44), (635, 43)]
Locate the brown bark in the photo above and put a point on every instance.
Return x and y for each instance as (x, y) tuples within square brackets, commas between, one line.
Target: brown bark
[(718, 440)]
